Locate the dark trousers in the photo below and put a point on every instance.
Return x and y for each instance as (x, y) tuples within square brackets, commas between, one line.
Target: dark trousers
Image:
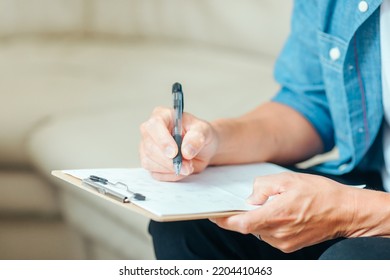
[(202, 239)]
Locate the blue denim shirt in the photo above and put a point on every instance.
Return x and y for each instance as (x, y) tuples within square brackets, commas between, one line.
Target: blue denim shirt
[(330, 71)]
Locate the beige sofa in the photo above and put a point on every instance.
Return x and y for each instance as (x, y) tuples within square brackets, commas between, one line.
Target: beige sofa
[(77, 77)]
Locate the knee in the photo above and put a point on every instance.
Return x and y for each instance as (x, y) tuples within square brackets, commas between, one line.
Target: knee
[(365, 248), (173, 240), (168, 230)]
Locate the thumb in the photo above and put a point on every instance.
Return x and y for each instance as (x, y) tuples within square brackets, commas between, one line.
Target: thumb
[(264, 189), (196, 136), (193, 142), (257, 198)]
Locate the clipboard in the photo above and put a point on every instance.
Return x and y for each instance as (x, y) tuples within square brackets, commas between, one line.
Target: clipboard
[(216, 192)]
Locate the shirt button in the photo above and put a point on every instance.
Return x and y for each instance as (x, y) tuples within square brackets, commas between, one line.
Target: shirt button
[(363, 6), (334, 53)]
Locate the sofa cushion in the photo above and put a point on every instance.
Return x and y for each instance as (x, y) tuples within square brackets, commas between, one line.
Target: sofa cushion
[(38, 239), (24, 193), (252, 25), (255, 26), (41, 16)]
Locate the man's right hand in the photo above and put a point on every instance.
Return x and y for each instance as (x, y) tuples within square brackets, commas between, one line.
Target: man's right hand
[(158, 148)]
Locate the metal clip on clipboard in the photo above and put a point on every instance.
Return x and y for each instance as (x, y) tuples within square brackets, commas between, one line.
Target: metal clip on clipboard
[(105, 187)]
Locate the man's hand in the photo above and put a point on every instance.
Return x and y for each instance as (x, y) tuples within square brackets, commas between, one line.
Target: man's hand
[(304, 210), (158, 148), (271, 132)]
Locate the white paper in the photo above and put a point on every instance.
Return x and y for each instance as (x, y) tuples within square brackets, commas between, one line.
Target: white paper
[(217, 189)]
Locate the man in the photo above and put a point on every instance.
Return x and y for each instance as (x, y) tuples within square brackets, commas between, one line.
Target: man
[(334, 92)]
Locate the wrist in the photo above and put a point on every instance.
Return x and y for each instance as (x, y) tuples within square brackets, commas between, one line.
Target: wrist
[(221, 130), (370, 214)]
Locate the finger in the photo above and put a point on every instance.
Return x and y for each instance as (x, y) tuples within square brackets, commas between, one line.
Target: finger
[(248, 222), (153, 160), (238, 223), (167, 177), (196, 137), (151, 152), (193, 142), (150, 165), (158, 129), (266, 187)]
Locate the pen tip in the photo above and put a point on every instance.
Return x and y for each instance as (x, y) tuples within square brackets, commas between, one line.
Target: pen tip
[(177, 169)]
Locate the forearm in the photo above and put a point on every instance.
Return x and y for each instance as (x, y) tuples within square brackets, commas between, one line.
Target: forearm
[(272, 132)]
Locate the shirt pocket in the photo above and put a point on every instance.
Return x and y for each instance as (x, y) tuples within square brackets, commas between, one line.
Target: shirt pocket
[(332, 51)]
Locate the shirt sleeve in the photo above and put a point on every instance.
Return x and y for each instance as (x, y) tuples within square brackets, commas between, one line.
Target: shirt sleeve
[(298, 71)]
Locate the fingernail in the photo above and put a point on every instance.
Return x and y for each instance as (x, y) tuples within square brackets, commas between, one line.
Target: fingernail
[(184, 171), (189, 151), (187, 170), (169, 152)]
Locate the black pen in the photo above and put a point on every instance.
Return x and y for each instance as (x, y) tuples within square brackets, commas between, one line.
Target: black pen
[(178, 106)]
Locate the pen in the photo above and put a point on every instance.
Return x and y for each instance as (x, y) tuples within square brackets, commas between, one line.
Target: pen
[(178, 106)]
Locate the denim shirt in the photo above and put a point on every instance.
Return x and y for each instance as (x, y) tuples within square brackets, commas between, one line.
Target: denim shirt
[(330, 71)]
